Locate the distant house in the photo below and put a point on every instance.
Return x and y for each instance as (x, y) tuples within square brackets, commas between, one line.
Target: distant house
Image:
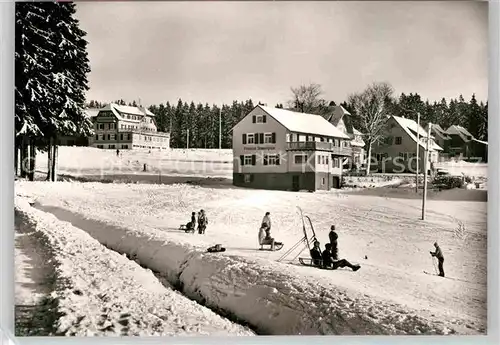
[(341, 119), (462, 143), (285, 150), (440, 137), (125, 127), (78, 140), (398, 151)]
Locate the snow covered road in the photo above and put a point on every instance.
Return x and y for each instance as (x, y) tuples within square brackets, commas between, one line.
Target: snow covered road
[(107, 294)]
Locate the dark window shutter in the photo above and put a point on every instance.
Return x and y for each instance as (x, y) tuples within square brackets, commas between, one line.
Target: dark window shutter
[(278, 159), (261, 138), (256, 138), (254, 119), (273, 139), (244, 139), (264, 118), (109, 136), (265, 159), (254, 157), (96, 137), (242, 160)]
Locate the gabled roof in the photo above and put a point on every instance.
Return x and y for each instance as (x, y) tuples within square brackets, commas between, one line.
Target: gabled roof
[(412, 128), (337, 115), (141, 111), (460, 131), (91, 113), (439, 130), (304, 123)]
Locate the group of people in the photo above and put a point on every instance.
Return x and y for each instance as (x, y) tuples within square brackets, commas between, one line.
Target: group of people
[(202, 222), (328, 258)]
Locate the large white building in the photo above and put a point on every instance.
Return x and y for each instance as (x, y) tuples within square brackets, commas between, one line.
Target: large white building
[(125, 127), (285, 150)]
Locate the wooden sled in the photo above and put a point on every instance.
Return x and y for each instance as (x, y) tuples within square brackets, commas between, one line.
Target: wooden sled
[(309, 262), (277, 246), (184, 228)]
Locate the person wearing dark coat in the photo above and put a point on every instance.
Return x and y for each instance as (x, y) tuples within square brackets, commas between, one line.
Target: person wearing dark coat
[(439, 255), (202, 222), (330, 262), (316, 255), (333, 236)]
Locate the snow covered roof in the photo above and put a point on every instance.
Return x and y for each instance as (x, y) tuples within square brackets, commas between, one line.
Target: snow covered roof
[(480, 141), (304, 123), (91, 113), (141, 111), (337, 115), (459, 130), (355, 131), (412, 128)]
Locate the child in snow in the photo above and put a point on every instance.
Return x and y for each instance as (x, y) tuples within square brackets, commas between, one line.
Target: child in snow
[(202, 222), (266, 225), (192, 224), (333, 241), (439, 255), (330, 262), (316, 255)]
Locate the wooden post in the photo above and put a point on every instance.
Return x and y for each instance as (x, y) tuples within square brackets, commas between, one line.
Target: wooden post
[(418, 155), (54, 160), (187, 140), (220, 128), (424, 196)]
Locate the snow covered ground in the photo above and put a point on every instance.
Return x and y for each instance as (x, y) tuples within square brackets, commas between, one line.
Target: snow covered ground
[(389, 295), (104, 293)]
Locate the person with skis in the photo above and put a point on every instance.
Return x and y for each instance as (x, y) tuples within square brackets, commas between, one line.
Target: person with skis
[(333, 236), (316, 254), (329, 261), (202, 222), (439, 255)]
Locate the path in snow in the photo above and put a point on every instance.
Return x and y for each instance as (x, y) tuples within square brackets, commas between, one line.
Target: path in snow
[(386, 230), (107, 294)]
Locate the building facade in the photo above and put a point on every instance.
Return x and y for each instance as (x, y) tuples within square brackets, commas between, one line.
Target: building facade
[(397, 153), (126, 127), (463, 144), (284, 150)]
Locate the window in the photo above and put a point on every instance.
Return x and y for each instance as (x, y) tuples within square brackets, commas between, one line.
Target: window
[(336, 142), (112, 126), (112, 146), (112, 137), (335, 163), (300, 159), (319, 159), (250, 139), (247, 159), (260, 119), (326, 160), (268, 138), (322, 159), (99, 146), (100, 126), (399, 140), (124, 146), (247, 178), (288, 137), (96, 137), (322, 181), (273, 159)]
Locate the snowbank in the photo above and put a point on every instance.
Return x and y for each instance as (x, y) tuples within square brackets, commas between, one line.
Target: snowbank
[(260, 292), (107, 294)]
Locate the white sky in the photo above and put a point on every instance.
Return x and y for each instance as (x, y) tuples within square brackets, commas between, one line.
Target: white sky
[(219, 51)]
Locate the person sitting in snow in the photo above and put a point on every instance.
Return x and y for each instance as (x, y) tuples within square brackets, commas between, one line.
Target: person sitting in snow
[(202, 222), (439, 255), (329, 261), (316, 254), (192, 224)]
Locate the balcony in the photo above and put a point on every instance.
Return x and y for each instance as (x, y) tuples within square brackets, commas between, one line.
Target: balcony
[(319, 146)]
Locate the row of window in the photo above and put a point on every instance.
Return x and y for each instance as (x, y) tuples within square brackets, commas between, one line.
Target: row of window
[(259, 138), (274, 159), (128, 136), (112, 146), (404, 155), (112, 126)]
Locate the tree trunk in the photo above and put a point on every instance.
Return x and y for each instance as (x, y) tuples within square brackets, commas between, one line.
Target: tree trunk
[(54, 160), (49, 160), (24, 157), (16, 157), (32, 161), (369, 159)]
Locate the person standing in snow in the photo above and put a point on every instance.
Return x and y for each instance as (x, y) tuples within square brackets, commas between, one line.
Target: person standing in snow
[(316, 254), (329, 261), (266, 224), (333, 236), (202, 222), (439, 255)]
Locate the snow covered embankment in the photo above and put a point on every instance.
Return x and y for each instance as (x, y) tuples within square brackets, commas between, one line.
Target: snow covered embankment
[(259, 292), (107, 294)]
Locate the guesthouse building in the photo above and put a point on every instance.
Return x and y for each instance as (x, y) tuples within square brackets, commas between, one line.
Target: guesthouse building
[(285, 150), (125, 127)]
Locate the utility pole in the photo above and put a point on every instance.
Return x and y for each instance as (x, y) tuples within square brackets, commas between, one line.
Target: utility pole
[(424, 196), (418, 146), (220, 128), (187, 140)]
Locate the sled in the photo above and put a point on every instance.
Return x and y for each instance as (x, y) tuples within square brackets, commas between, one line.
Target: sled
[(184, 228), (305, 240), (218, 248), (277, 246), (309, 262)]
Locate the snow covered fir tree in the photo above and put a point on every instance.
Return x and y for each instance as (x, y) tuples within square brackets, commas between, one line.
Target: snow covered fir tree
[(51, 66)]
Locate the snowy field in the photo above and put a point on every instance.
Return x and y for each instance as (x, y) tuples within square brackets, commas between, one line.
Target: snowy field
[(88, 161), (390, 294), (107, 294)]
